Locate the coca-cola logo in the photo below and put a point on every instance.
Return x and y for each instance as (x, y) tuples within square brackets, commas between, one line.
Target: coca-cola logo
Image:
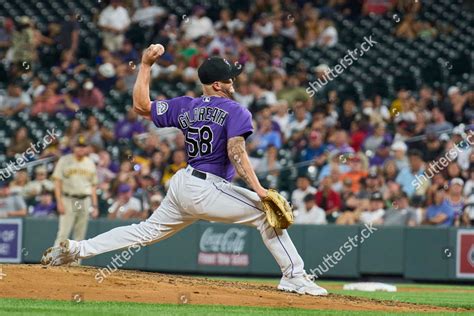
[(231, 241)]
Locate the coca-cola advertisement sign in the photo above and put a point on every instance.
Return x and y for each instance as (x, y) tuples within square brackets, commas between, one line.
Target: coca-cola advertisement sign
[(223, 248)]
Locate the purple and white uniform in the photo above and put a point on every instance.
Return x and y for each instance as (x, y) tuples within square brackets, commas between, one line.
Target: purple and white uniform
[(202, 190), (207, 123)]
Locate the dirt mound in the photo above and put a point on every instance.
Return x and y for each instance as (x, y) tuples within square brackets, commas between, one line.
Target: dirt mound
[(79, 283)]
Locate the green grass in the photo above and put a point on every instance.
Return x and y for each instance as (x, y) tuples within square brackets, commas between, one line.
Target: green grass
[(445, 299), (60, 308), (454, 298)]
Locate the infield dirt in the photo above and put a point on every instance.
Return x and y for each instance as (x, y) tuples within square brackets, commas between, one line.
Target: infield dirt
[(73, 283)]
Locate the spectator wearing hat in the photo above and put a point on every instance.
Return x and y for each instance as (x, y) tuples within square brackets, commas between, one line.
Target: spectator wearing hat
[(90, 96), (456, 200), (455, 109), (399, 149), (126, 206), (41, 183), (440, 213), (400, 214), (303, 188), (356, 173), (381, 154), (315, 150), (75, 180), (45, 207), (371, 184), (374, 214), (106, 78), (412, 179), (114, 22), (11, 204), (311, 213)]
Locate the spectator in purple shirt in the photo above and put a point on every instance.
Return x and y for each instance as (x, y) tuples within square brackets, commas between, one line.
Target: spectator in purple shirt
[(129, 126), (381, 154), (45, 207)]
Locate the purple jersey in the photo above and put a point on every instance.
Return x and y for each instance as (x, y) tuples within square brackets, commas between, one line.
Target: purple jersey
[(207, 123)]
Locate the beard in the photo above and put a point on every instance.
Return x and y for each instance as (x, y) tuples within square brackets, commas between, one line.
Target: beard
[(229, 92)]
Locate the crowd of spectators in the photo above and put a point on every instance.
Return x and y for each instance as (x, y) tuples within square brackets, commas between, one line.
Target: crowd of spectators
[(354, 161)]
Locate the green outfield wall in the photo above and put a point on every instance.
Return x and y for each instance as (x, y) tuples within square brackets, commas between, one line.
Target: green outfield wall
[(424, 253)]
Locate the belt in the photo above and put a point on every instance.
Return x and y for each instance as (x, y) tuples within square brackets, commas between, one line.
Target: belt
[(199, 174), (77, 196)]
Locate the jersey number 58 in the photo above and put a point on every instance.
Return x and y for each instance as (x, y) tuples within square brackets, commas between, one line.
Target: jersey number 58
[(200, 145)]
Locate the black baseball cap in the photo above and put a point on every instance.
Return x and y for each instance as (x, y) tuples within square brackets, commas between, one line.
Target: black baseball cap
[(218, 69), (376, 196), (81, 141), (308, 197)]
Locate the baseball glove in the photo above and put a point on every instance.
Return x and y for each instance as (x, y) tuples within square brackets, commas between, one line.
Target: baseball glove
[(278, 210)]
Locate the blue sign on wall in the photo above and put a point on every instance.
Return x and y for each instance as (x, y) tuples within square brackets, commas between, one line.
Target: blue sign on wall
[(10, 240)]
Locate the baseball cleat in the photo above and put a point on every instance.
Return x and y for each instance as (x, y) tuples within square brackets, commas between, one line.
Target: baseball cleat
[(301, 285), (58, 255)]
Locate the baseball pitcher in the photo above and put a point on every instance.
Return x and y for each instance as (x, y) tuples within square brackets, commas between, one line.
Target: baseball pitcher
[(215, 128)]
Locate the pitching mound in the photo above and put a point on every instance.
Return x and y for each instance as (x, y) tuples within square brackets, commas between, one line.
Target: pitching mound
[(66, 283)]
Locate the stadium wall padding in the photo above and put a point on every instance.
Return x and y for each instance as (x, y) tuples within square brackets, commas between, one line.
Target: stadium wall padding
[(421, 253)]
